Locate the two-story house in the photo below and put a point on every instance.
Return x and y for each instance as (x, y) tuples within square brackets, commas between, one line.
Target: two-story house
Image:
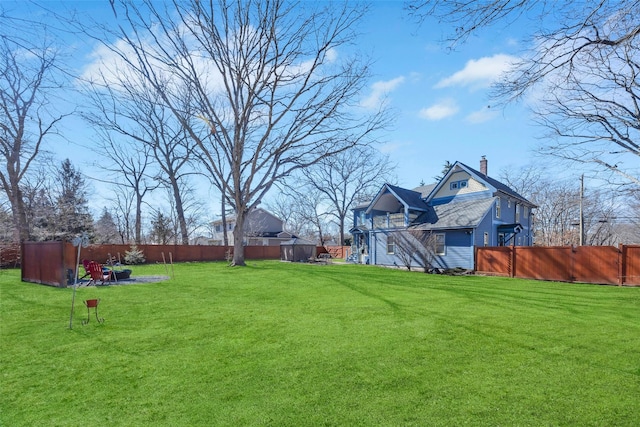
[(261, 228), (442, 222)]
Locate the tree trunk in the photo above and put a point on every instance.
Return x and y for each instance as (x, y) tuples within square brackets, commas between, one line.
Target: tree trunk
[(238, 234), (138, 237), (21, 232), (184, 234)]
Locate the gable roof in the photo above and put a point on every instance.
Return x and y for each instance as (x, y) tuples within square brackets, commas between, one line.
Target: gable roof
[(498, 185), (411, 199), (479, 176), (455, 214)]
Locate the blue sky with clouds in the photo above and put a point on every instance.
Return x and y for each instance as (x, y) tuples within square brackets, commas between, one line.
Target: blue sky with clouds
[(441, 96), (438, 97)]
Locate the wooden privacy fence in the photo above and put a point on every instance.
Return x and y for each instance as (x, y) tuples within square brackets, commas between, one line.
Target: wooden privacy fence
[(587, 264), (49, 262)]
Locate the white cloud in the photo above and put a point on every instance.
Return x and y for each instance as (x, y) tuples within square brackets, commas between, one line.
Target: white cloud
[(479, 73), (443, 109), (481, 116), (379, 90)]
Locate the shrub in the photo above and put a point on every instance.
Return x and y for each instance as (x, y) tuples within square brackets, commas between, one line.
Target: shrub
[(134, 256)]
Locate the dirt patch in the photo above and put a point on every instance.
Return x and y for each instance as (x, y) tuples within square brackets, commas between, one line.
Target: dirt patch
[(130, 281), (141, 279)]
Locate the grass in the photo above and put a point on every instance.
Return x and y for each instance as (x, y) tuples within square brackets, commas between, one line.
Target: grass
[(277, 344)]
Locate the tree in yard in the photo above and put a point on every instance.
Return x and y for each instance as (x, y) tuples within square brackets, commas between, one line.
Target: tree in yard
[(130, 109), (129, 168), (27, 117), (582, 68), (72, 215), (307, 213), (106, 229), (415, 246), (346, 178), (161, 228), (268, 81)]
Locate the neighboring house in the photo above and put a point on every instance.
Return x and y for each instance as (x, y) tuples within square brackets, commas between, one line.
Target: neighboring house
[(261, 228), (441, 223)]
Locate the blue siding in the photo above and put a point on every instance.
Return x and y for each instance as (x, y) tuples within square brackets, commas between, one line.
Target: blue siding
[(458, 250), (486, 226)]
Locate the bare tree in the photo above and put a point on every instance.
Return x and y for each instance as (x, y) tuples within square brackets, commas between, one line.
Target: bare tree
[(307, 213), (583, 60), (415, 246), (346, 178), (272, 93), (130, 109), (128, 166), (557, 216), (27, 117)]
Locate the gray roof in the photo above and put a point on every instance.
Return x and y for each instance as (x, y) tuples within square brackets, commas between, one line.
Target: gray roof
[(455, 214), (425, 190), (297, 242), (413, 199)]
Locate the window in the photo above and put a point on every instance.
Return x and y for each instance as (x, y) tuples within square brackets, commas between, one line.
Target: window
[(517, 212), (509, 203), (391, 245), (500, 239), (439, 244), (498, 207), (454, 185), (525, 211), (486, 238)]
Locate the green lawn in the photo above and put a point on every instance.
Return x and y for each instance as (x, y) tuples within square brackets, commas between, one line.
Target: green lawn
[(306, 345)]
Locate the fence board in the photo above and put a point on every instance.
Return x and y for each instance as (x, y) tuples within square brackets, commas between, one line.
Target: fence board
[(548, 263), (494, 260), (630, 265)]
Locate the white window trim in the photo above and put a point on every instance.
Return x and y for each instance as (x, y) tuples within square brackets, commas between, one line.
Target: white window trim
[(391, 242), (444, 244)]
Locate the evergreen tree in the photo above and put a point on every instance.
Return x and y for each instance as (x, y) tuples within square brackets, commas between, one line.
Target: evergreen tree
[(106, 229), (72, 209), (445, 168), (162, 230)]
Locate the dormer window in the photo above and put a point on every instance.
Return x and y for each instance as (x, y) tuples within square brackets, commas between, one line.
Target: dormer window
[(454, 185)]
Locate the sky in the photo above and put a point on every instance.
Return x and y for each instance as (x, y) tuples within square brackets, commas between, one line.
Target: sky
[(439, 98)]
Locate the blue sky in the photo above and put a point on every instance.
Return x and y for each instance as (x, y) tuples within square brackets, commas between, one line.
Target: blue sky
[(439, 97)]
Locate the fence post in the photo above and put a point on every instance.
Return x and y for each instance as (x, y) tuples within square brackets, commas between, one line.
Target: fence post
[(622, 264), (513, 261)]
